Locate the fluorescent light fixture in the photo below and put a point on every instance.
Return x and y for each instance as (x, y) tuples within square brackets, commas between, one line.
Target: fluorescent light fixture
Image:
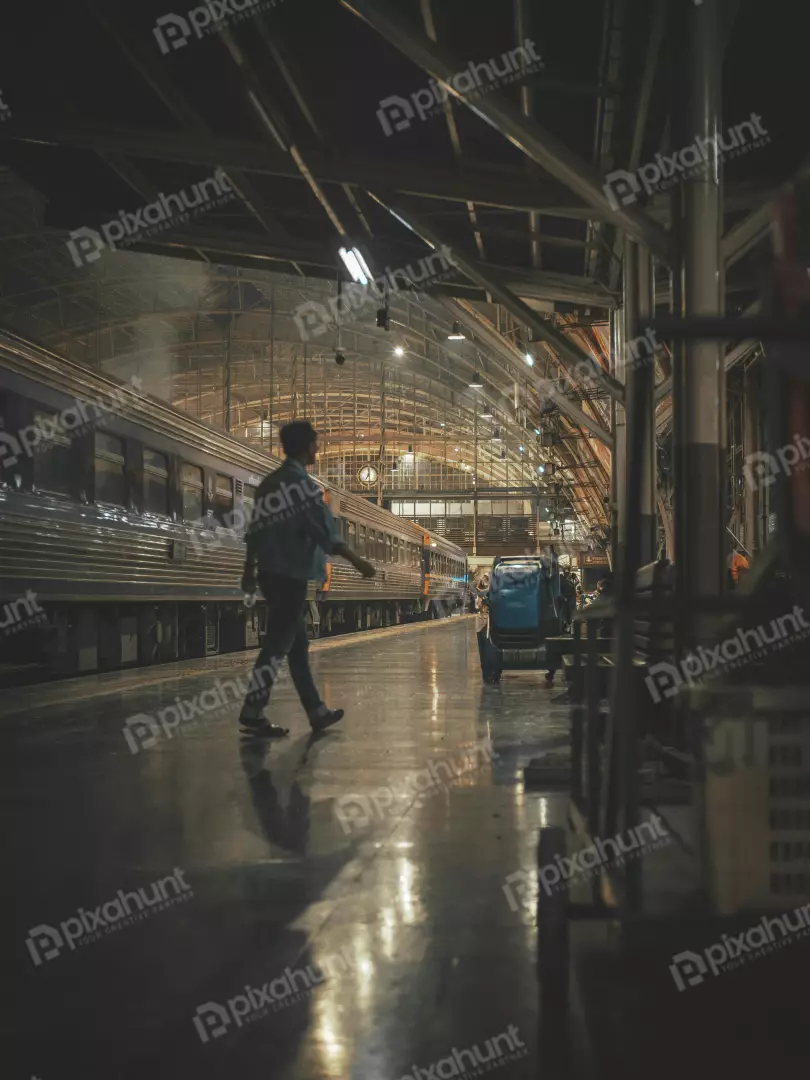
[(363, 264), (456, 449), (352, 264), (521, 448), (476, 383), (529, 359), (537, 431), (399, 351), (541, 468), (456, 334)]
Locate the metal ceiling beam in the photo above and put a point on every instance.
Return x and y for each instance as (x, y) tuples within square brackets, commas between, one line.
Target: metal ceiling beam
[(746, 234), (539, 145), (155, 74), (483, 276), (732, 357), (247, 245), (474, 181), (547, 285), (493, 340)]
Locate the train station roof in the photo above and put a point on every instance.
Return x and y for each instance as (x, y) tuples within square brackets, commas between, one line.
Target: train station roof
[(178, 186)]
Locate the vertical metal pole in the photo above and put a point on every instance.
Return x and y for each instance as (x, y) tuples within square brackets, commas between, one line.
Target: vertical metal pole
[(750, 446), (699, 368), (644, 353), (522, 32), (272, 357), (227, 410), (619, 413), (475, 477), (381, 462)]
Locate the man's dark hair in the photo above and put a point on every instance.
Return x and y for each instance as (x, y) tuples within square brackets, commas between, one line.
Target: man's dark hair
[(297, 437)]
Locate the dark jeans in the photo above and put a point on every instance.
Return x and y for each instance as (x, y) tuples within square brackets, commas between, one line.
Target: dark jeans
[(286, 636)]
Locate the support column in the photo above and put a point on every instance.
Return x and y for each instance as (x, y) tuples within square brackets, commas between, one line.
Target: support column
[(750, 445), (643, 352), (618, 416), (699, 372), (475, 476), (227, 401), (381, 456)]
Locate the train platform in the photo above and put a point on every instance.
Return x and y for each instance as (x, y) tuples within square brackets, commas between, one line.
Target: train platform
[(190, 904)]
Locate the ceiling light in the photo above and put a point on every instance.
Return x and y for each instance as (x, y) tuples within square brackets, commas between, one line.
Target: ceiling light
[(521, 448), (476, 383), (399, 351), (363, 264), (352, 261), (456, 449), (540, 469), (529, 359), (456, 334)]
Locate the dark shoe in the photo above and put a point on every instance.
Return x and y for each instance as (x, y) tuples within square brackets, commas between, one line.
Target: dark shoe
[(258, 727), (321, 723)]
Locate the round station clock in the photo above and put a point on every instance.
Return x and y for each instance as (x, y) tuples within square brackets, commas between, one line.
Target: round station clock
[(368, 475)]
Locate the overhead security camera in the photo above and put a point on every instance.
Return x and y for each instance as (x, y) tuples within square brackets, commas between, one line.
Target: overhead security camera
[(340, 359)]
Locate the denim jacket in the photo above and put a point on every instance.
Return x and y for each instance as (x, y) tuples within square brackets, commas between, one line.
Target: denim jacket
[(291, 529)]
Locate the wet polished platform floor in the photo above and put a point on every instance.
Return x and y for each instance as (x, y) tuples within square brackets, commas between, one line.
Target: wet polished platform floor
[(330, 920)]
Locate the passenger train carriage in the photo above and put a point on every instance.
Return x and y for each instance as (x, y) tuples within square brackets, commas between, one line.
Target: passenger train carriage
[(121, 524)]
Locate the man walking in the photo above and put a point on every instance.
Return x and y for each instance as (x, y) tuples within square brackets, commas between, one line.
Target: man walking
[(291, 531)]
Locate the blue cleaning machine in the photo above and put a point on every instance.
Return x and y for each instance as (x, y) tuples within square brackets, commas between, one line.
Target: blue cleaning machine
[(523, 610)]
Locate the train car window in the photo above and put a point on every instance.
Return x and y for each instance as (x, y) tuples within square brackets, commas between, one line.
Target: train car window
[(388, 548), (155, 483), (361, 539), (401, 550), (111, 484), (381, 546), (223, 499), (248, 501), (52, 464), (191, 483), (351, 533)]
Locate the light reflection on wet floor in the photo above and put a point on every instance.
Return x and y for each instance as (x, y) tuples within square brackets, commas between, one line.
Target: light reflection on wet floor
[(377, 853)]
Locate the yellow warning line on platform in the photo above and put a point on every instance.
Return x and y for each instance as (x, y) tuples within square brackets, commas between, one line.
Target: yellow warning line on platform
[(67, 691)]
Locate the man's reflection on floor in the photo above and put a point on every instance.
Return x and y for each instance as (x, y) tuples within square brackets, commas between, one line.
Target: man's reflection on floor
[(286, 827)]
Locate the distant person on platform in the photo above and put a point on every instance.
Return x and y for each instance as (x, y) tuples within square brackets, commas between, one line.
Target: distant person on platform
[(568, 598), (605, 589), (290, 533)]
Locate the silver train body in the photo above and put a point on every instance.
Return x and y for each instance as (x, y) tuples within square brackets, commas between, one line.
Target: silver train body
[(120, 532)]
